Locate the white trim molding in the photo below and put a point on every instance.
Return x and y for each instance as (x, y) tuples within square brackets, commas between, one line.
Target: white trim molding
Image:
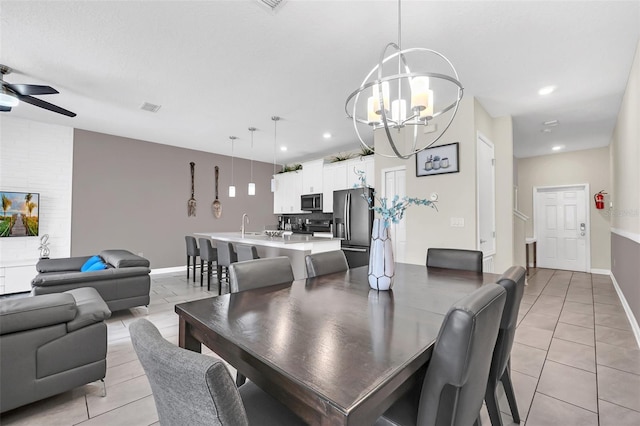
[(627, 309), (168, 270), (600, 271), (520, 215), (630, 235)]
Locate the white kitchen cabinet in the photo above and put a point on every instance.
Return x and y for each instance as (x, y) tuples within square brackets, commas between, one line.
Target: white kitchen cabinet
[(367, 165), (334, 176), (312, 177), (286, 197)]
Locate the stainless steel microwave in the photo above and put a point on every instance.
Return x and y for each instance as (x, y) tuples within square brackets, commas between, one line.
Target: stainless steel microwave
[(311, 202)]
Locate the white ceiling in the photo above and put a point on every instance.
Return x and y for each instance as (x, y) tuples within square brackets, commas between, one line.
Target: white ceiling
[(218, 67)]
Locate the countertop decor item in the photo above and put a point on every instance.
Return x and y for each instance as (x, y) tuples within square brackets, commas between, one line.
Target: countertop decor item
[(216, 206), (44, 247), (404, 78), (381, 262), (191, 204)]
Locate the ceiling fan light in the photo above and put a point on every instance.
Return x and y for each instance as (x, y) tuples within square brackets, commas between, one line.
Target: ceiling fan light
[(8, 100)]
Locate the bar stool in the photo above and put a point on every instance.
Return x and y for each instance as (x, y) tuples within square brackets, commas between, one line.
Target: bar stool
[(192, 252), (226, 256), (246, 252), (207, 254)]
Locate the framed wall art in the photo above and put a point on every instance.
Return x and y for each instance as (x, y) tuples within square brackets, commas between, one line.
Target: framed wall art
[(438, 160)]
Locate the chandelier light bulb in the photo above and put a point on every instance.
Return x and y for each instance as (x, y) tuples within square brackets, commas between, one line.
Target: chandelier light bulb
[(8, 100)]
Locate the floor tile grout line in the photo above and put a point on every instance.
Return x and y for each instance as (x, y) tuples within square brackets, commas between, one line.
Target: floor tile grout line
[(569, 403), (113, 409)]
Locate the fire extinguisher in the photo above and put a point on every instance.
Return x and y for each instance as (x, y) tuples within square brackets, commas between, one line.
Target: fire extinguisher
[(599, 199)]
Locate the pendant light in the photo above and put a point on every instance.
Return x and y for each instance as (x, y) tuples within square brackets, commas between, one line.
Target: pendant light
[(251, 188), (275, 119), (232, 188)]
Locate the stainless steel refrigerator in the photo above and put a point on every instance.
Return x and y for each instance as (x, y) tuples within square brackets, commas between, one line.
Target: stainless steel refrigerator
[(352, 221)]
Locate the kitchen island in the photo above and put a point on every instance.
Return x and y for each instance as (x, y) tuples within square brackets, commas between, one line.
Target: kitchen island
[(294, 246)]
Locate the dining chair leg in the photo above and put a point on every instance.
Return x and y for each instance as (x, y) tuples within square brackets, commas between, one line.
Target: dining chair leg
[(478, 422), (491, 399), (510, 394), (240, 379), (219, 276), (201, 270), (209, 266), (188, 265), (194, 269)]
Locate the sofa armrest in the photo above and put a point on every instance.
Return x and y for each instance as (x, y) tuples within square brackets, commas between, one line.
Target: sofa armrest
[(91, 308), (123, 258), (52, 279), (62, 264), (34, 312)]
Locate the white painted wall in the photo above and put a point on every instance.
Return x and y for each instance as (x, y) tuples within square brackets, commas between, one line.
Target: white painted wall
[(37, 157)]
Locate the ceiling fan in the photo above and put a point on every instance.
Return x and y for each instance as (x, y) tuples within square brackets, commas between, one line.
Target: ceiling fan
[(11, 94)]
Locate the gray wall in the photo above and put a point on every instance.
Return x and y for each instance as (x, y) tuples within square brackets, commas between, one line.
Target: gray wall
[(626, 268), (133, 195)]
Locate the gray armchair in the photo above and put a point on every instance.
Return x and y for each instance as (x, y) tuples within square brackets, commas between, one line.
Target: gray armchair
[(194, 389), (51, 344)]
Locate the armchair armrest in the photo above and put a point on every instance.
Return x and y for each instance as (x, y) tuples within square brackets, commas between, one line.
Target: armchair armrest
[(91, 308), (62, 264), (34, 312)]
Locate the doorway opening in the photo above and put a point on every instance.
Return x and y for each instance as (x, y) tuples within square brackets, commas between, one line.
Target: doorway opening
[(394, 183)]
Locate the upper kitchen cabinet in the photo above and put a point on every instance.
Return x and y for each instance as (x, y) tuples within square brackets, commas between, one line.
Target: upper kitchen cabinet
[(312, 177), (286, 197), (342, 175), (365, 164)]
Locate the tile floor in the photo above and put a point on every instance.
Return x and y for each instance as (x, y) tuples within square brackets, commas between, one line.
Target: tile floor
[(574, 362)]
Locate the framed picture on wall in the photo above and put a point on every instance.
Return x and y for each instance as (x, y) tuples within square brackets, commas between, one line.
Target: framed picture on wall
[(438, 160)]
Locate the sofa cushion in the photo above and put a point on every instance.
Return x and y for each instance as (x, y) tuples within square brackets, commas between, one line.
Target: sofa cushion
[(90, 262), (33, 312), (91, 308), (123, 258), (96, 266)]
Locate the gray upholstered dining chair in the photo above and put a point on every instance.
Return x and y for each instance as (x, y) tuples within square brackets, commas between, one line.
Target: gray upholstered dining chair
[(456, 378), (209, 255), (192, 253), (194, 389), (513, 282), (466, 260), (325, 263), (246, 252), (258, 273), (226, 256)]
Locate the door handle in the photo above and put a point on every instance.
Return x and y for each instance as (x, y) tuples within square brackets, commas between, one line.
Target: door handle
[(354, 249), (482, 241)]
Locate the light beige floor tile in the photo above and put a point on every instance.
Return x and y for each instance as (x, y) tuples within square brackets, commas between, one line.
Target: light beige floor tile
[(572, 354), (574, 333), (581, 320), (123, 372), (619, 387), (540, 321), (527, 360), (547, 411), (524, 387), (625, 359), (139, 412), (615, 415), (119, 395), (533, 336), (616, 337), (569, 384), (64, 409)]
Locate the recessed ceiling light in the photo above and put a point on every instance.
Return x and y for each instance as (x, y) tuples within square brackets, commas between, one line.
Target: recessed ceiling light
[(551, 123), (283, 148), (326, 135), (557, 147), (546, 90), (545, 130)]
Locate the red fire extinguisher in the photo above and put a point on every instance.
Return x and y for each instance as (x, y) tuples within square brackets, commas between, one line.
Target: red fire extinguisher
[(599, 199)]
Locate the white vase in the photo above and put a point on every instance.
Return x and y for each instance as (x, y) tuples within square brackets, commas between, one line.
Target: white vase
[(381, 264)]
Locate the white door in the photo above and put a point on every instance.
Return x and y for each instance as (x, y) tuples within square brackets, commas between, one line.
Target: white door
[(486, 209), (562, 227), (394, 182)]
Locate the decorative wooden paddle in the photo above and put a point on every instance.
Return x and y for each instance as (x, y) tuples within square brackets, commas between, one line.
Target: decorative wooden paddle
[(216, 206), (191, 204)]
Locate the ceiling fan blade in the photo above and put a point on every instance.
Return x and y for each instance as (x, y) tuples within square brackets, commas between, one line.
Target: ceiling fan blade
[(31, 89), (46, 105), (4, 108)]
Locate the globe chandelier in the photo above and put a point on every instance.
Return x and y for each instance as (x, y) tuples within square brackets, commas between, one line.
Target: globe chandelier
[(431, 97)]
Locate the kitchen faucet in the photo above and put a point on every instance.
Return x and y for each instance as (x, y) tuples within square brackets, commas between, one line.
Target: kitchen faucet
[(244, 216)]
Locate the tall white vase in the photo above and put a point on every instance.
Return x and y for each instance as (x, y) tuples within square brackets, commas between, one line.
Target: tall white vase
[(381, 264)]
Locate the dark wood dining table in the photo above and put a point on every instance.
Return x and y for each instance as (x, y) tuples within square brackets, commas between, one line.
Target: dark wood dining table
[(330, 348)]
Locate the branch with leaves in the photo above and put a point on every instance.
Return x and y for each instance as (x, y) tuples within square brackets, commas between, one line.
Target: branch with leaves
[(391, 211)]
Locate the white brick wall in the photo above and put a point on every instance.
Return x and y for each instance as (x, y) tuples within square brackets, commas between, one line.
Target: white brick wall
[(37, 157)]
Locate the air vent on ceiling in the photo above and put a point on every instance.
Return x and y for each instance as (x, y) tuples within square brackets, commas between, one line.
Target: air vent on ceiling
[(150, 107), (273, 5)]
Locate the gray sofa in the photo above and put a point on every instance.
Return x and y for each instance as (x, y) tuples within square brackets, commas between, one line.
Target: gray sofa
[(51, 344), (124, 284)]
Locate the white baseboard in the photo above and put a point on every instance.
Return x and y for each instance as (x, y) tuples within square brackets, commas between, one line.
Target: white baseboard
[(168, 270), (627, 309), (601, 271)]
